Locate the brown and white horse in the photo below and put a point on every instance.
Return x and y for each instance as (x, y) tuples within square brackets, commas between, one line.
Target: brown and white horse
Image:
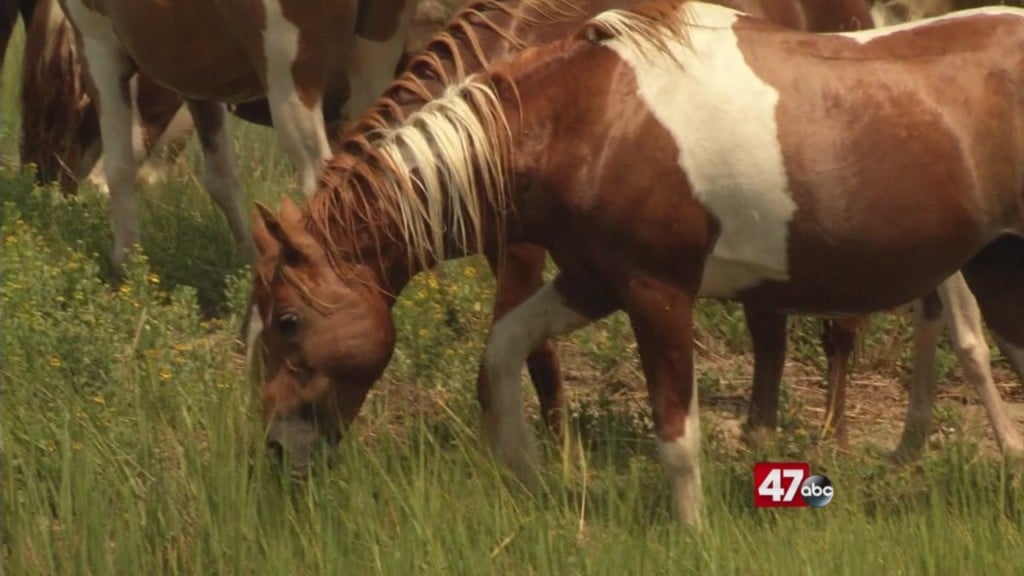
[(299, 55), (489, 30), (663, 154)]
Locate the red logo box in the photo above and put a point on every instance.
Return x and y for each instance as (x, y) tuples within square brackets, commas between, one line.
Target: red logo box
[(777, 484)]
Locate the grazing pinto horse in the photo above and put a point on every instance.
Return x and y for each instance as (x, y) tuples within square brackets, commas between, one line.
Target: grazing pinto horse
[(488, 30), (293, 53), (676, 151)]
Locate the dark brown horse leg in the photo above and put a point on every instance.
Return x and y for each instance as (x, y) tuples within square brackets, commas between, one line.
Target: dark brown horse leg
[(662, 319), (838, 337), (521, 274), (8, 16), (767, 329)]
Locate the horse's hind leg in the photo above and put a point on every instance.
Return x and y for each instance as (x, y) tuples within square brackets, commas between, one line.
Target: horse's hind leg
[(767, 329), (519, 275), (995, 277), (964, 319), (838, 337), (1012, 352), (918, 422), (220, 171)]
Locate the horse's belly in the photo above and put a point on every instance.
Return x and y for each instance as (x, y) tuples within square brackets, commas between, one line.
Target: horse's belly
[(189, 47)]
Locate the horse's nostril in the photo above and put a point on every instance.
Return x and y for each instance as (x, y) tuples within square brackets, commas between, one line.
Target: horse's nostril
[(275, 450)]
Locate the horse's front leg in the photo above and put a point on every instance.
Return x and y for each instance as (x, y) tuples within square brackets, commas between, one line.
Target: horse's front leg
[(767, 330), (662, 319), (519, 274), (918, 422), (220, 171), (546, 314)]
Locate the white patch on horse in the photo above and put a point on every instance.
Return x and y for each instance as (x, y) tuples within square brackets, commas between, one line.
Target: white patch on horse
[(865, 36), (681, 458), (300, 128), (541, 316), (722, 118)]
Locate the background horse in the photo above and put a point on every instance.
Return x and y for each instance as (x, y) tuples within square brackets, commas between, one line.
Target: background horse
[(300, 57), (59, 125), (719, 209)]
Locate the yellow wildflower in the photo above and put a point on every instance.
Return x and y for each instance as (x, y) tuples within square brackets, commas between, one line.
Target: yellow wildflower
[(55, 362), (98, 399), (165, 374), (469, 272), (432, 281), (11, 240), (423, 332), (153, 278)]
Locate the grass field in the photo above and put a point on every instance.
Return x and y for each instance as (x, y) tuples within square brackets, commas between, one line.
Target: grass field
[(131, 443)]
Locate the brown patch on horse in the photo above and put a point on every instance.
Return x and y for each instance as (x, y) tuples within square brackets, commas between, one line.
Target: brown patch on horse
[(378, 19), (312, 71)]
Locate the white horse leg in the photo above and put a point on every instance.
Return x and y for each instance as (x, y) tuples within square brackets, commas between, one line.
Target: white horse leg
[(964, 319), (111, 71), (299, 125), (220, 171), (918, 423), (540, 317)]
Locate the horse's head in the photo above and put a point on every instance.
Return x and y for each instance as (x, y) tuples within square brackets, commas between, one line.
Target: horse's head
[(326, 335)]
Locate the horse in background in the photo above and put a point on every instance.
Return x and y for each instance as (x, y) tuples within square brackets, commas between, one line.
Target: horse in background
[(891, 12), (59, 125), (304, 59), (984, 289)]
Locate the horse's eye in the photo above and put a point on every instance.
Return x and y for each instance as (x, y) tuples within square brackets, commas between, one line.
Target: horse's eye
[(287, 324)]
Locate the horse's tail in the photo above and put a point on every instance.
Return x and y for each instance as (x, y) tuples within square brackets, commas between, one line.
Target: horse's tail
[(59, 123)]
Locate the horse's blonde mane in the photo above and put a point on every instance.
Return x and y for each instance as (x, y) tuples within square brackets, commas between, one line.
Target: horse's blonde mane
[(433, 178), (648, 28)]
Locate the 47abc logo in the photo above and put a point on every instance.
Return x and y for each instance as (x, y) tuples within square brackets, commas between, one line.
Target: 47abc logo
[(790, 484)]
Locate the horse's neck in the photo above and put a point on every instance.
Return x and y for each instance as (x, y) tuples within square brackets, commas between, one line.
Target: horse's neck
[(467, 45)]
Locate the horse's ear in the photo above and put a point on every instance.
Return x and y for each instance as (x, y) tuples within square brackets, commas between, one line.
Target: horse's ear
[(290, 211), (265, 243), (286, 228)]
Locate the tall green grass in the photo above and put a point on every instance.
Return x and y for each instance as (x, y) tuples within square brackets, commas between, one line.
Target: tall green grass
[(131, 443)]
